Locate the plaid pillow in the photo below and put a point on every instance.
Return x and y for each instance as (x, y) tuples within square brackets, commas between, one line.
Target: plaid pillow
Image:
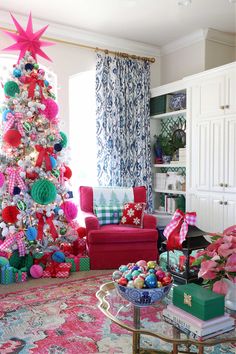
[(108, 215), (133, 214)]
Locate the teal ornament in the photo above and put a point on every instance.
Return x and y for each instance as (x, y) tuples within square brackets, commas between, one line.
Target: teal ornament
[(58, 257), (17, 72), (5, 113), (123, 268), (21, 205), (46, 83), (11, 88), (63, 231), (55, 173), (43, 191), (56, 209), (31, 233), (64, 139), (151, 281), (27, 126), (135, 273), (53, 162)]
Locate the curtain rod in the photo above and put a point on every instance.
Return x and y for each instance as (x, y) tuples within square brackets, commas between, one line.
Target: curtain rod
[(106, 51)]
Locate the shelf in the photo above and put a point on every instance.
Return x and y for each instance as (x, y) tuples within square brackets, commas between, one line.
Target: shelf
[(169, 191), (169, 165), (168, 114)]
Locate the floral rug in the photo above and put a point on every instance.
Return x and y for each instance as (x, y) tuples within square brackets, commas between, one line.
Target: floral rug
[(64, 319)]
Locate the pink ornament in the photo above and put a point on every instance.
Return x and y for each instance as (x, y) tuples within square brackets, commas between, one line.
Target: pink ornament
[(41, 72), (36, 271), (51, 109), (33, 137), (142, 263), (22, 79), (70, 210), (2, 179)]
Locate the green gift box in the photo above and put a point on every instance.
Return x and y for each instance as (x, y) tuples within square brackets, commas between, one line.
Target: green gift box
[(7, 275), (84, 263), (72, 261), (20, 274), (200, 302)]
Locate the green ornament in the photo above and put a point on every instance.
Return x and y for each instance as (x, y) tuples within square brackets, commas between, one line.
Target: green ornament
[(38, 255), (64, 140), (51, 138), (27, 126), (36, 66), (21, 205), (63, 231), (11, 88), (43, 192), (55, 173)]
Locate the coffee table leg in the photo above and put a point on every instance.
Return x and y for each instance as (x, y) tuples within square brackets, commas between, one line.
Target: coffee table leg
[(136, 336), (175, 348)]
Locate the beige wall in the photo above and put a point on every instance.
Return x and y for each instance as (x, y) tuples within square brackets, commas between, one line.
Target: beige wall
[(183, 62), (218, 54)]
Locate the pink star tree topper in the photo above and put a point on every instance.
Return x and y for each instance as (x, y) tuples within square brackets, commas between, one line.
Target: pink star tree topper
[(26, 40)]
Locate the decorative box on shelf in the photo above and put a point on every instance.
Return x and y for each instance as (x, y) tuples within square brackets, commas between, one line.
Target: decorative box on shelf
[(195, 240), (200, 302)]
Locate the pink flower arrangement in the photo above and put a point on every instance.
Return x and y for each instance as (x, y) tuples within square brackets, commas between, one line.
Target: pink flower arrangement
[(218, 261)]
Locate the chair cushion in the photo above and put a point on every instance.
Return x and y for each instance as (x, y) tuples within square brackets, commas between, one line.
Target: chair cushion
[(133, 214), (108, 215)]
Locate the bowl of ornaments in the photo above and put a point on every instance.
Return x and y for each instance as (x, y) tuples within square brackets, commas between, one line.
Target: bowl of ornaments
[(142, 283)]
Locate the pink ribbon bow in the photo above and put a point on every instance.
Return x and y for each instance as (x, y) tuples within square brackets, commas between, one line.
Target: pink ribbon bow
[(15, 238), (177, 229), (15, 178), (14, 120)]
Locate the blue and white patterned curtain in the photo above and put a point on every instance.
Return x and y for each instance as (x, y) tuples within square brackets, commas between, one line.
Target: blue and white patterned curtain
[(123, 123)]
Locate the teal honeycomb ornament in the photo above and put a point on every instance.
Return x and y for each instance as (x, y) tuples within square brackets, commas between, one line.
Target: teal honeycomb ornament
[(43, 192), (11, 88), (64, 139)]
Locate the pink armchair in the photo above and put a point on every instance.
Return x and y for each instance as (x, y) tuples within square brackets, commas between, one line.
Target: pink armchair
[(109, 246)]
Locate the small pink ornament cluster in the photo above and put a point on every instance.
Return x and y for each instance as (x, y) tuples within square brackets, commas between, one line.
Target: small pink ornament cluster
[(142, 275)]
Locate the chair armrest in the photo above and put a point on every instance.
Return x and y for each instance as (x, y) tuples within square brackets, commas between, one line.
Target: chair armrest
[(90, 221), (149, 221)]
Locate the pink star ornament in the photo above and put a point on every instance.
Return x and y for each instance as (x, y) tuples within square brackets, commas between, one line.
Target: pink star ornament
[(26, 40)]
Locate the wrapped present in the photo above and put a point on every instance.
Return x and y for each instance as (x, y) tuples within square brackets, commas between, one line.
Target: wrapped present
[(55, 270), (7, 274), (61, 274), (200, 302), (20, 274), (46, 274), (74, 261), (84, 263)]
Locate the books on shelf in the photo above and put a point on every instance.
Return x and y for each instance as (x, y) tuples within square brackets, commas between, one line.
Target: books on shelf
[(160, 180), (195, 327)]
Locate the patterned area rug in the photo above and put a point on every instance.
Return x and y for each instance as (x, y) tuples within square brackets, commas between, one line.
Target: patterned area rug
[(64, 319)]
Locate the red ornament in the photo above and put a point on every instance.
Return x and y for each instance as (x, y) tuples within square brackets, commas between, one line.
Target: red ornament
[(81, 231), (12, 137), (66, 247), (9, 214), (67, 172), (31, 175)]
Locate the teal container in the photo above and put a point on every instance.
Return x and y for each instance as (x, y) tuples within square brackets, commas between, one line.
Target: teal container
[(157, 105)]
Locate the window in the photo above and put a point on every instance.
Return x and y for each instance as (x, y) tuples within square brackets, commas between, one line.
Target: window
[(83, 128)]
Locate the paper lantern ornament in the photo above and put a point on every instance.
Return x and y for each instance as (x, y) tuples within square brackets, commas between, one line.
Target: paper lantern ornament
[(31, 233), (36, 271), (12, 137), (67, 172), (11, 88), (9, 214), (70, 210), (64, 139), (51, 109), (43, 192)]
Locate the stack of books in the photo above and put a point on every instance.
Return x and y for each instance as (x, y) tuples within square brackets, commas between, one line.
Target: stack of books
[(182, 155), (196, 328)]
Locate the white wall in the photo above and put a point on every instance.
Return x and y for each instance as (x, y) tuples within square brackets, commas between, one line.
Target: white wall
[(218, 54)]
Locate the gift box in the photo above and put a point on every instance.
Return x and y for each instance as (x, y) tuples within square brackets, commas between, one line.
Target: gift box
[(7, 275), (200, 302), (84, 263), (74, 261), (57, 270), (20, 275)]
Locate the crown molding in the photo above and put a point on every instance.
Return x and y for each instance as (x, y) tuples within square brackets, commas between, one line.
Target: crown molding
[(184, 42), (83, 37), (225, 38)]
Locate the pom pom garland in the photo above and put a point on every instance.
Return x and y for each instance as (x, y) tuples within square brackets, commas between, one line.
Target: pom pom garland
[(9, 214), (11, 88), (12, 137), (70, 210), (43, 192)]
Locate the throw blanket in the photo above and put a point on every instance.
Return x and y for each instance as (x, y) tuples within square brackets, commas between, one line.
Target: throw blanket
[(112, 196)]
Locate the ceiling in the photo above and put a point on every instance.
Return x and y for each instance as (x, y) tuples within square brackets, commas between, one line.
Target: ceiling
[(156, 22)]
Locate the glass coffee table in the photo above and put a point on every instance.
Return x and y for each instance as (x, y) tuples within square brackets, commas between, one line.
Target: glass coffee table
[(149, 321)]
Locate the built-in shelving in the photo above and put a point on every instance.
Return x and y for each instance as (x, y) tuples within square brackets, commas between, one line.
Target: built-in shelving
[(169, 165), (169, 191), (168, 114)]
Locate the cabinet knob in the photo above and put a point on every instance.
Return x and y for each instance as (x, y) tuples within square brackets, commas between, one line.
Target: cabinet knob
[(227, 106), (226, 185), (221, 202), (221, 184), (222, 107), (225, 203)]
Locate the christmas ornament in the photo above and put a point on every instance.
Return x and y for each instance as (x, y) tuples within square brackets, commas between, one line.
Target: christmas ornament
[(81, 231), (51, 109), (21, 205), (31, 175), (36, 271), (67, 172), (53, 161), (66, 247), (26, 40), (46, 83), (70, 210), (16, 190), (43, 192), (58, 257), (12, 137), (58, 147), (2, 179), (55, 173), (4, 114), (17, 73), (9, 214), (64, 139), (11, 88), (31, 233), (27, 126), (29, 67), (63, 231), (36, 66)]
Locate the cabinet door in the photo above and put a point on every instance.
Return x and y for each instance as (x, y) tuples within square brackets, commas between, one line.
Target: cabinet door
[(217, 155), (212, 97), (202, 156), (230, 92), (230, 155), (200, 203), (216, 213), (229, 211)]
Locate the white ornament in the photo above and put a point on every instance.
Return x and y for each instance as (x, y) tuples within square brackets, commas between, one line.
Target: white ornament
[(2, 225), (42, 106), (29, 114), (5, 232)]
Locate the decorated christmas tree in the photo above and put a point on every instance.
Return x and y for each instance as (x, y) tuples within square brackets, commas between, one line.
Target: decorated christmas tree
[(36, 210)]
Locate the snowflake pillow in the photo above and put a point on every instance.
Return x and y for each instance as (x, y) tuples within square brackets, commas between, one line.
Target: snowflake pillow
[(133, 214)]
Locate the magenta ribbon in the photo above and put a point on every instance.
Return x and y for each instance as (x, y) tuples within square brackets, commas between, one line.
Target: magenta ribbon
[(11, 240), (14, 119), (62, 178), (15, 178)]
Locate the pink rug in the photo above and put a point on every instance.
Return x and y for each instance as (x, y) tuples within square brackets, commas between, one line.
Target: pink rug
[(64, 319)]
